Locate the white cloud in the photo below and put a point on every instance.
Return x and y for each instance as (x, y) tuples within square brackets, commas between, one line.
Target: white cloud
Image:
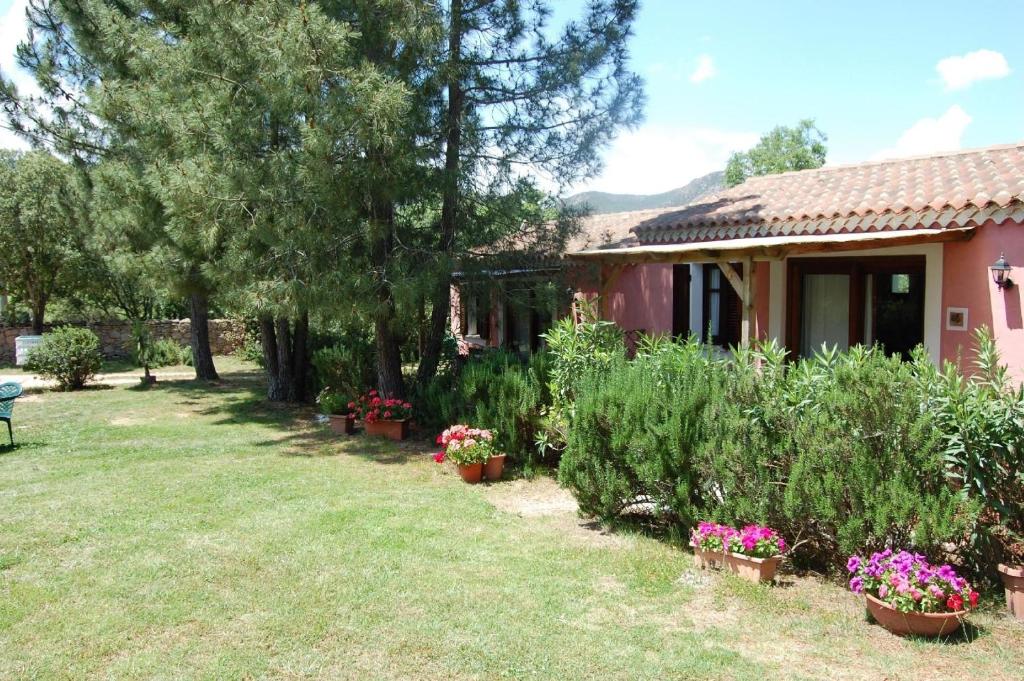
[(930, 135), (13, 30), (654, 159), (705, 69), (960, 71)]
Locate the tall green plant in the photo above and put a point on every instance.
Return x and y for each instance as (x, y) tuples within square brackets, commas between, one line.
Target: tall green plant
[(981, 418)]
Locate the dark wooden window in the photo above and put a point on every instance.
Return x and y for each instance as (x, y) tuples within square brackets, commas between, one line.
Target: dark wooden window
[(681, 300), (886, 300), (722, 310)]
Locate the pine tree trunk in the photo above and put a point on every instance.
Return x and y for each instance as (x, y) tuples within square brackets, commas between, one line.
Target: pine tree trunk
[(389, 358), (202, 356), (441, 300), (268, 343), (286, 357), (300, 357)]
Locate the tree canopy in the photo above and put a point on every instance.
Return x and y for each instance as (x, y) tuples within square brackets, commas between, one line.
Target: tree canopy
[(41, 234), (782, 149), (329, 160)]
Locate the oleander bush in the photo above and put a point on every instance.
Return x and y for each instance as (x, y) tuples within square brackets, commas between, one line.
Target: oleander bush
[(69, 355)]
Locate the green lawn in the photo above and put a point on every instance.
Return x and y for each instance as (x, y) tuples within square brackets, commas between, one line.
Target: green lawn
[(189, 531)]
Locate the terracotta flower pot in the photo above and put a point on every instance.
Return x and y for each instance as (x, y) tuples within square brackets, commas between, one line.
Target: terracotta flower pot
[(471, 472), (913, 623), (393, 430), (752, 569), (707, 560), (494, 466), (342, 424), (1013, 582)]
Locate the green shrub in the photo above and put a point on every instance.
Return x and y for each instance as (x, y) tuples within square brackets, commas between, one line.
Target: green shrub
[(495, 390), (635, 432), (981, 419), (502, 393), (837, 452), (348, 367), (577, 349), (70, 355), (163, 353)]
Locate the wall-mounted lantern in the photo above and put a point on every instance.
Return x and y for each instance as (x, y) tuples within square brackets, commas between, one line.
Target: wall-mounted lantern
[(1001, 273)]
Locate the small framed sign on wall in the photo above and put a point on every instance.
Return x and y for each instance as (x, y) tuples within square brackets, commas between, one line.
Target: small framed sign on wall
[(956, 319)]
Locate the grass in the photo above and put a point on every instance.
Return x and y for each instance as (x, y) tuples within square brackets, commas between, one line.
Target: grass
[(193, 531)]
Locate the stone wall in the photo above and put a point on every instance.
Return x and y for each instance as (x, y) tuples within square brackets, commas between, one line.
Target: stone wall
[(226, 336)]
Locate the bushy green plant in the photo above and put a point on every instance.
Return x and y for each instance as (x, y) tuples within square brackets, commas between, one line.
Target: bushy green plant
[(836, 451), (162, 353), (981, 420), (68, 354), (348, 367), (333, 403), (503, 393), (636, 430), (579, 348)]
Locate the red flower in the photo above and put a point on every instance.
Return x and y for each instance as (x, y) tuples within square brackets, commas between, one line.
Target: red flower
[(375, 401), (974, 599), (955, 602), (439, 457), (373, 393), (351, 405), (387, 414), (407, 405), (439, 440)]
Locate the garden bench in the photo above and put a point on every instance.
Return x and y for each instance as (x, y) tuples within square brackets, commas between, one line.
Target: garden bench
[(9, 392)]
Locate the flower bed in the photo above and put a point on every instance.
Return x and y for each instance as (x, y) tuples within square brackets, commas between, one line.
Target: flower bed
[(752, 553), (908, 595), (470, 449)]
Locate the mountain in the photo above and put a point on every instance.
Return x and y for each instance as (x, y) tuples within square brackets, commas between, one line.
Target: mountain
[(605, 202)]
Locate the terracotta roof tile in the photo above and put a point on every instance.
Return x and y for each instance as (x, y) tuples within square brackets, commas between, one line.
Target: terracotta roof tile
[(939, 191)]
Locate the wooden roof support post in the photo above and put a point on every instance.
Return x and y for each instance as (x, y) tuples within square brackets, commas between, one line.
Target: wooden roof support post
[(745, 289)]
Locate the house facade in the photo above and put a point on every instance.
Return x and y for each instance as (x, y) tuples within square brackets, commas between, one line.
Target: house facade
[(897, 253)]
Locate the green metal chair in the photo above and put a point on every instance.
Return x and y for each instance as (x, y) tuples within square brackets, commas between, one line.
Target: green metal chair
[(9, 392)]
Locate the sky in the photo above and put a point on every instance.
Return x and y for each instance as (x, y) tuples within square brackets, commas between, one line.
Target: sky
[(882, 79)]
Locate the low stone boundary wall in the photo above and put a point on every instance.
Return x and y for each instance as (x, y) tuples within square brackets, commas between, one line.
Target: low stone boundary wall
[(226, 335)]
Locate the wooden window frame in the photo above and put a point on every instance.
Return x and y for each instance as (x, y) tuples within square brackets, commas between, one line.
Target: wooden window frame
[(854, 267)]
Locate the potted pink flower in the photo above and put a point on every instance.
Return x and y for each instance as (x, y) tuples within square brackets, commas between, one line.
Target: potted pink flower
[(908, 595), (752, 553), (387, 417), (710, 542), (472, 451)]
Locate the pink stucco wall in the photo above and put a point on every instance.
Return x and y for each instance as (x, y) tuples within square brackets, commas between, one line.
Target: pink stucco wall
[(967, 282), (642, 299)]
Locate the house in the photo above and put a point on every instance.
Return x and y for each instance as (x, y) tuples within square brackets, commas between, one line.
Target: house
[(898, 253)]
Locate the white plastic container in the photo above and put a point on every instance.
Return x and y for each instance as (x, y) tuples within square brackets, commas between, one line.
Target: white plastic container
[(22, 345)]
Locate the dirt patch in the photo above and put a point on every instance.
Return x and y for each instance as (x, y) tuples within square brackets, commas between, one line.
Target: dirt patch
[(532, 498), (542, 499), (125, 421)]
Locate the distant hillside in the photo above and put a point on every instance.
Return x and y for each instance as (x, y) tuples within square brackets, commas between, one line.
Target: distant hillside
[(604, 202)]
